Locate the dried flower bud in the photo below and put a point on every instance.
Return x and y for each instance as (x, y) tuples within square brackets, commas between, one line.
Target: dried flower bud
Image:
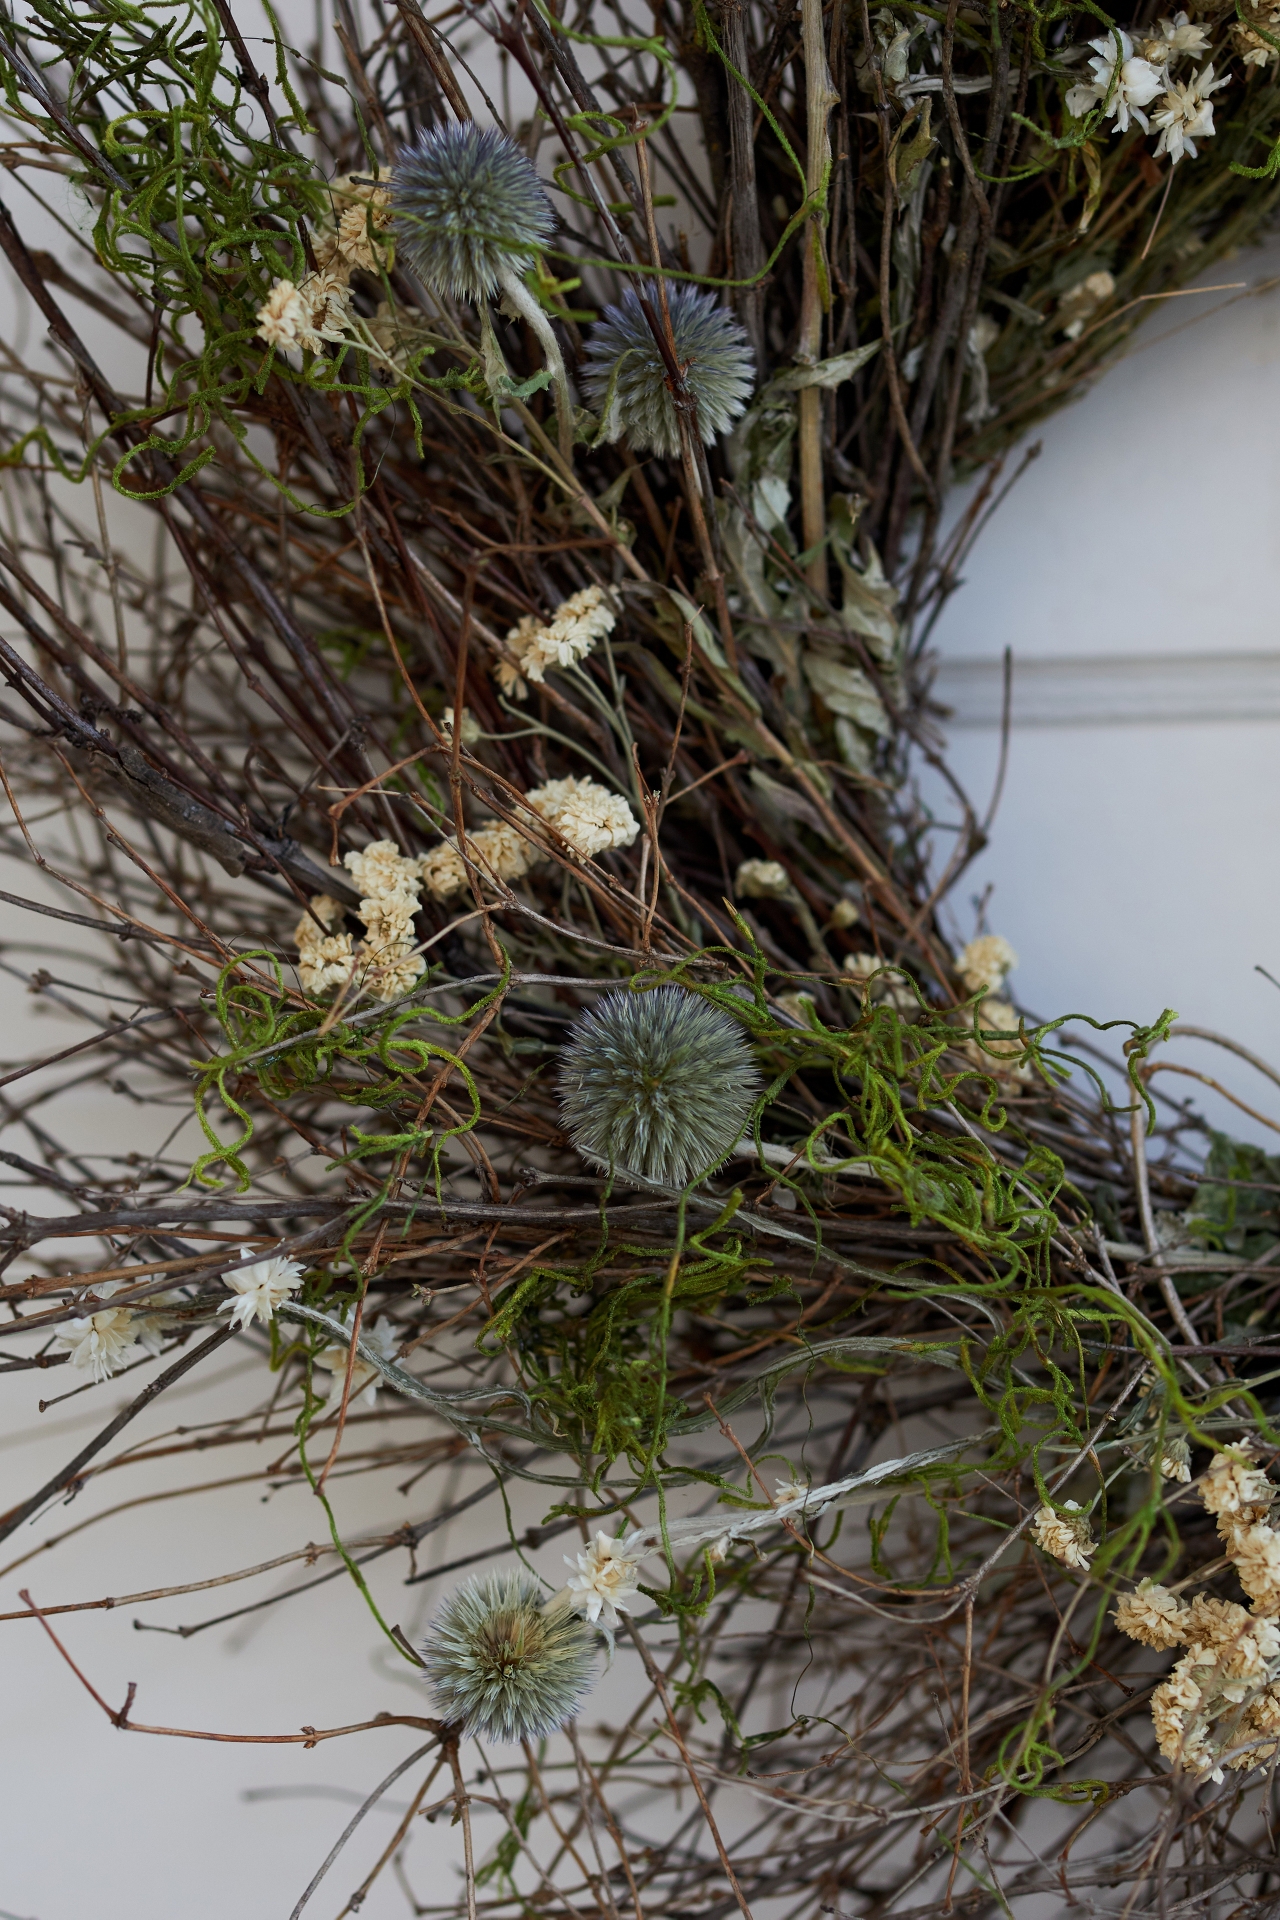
[(468, 209), (627, 377), (502, 1664), (762, 880), (658, 1084)]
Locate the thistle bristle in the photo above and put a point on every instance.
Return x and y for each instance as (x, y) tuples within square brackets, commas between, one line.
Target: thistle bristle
[(626, 375), (502, 1665), (657, 1084), (467, 206)]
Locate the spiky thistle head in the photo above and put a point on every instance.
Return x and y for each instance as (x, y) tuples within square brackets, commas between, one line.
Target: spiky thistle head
[(467, 207), (626, 376), (658, 1084), (501, 1664)]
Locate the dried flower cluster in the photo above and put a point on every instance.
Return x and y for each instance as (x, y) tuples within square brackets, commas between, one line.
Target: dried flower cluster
[(318, 308), (260, 1289), (1220, 1706), (110, 1338), (1125, 81), (562, 641)]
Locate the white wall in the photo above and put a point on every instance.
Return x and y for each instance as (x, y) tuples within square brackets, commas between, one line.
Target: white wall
[(1133, 863)]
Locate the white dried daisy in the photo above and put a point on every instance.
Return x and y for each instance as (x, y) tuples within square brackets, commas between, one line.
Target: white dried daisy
[(983, 964), (1122, 83), (1153, 1615), (605, 1582), (1065, 1535), (260, 1289), (762, 880), (586, 815), (104, 1342), (1185, 114), (365, 1377)]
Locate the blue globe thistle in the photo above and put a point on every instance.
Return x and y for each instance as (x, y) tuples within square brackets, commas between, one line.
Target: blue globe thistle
[(502, 1665), (468, 209), (658, 1084), (626, 376)]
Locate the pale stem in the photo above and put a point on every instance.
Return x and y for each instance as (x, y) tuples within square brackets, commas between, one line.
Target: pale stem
[(821, 97), (528, 309)]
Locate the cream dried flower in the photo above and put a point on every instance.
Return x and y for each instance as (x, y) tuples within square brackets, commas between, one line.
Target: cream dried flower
[(326, 313), (104, 1342), (325, 955), (983, 964), (282, 316), (605, 1583), (496, 849), (1255, 52), (844, 914), (1080, 302), (1242, 1642), (260, 1288), (585, 814), (1175, 1460), (762, 880), (365, 1377), (1175, 1705), (1260, 1717), (1255, 1552), (353, 235), (1153, 1615), (1065, 1535), (1185, 114), (997, 1017), (1234, 1488), (562, 641), (799, 1005), (390, 885)]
